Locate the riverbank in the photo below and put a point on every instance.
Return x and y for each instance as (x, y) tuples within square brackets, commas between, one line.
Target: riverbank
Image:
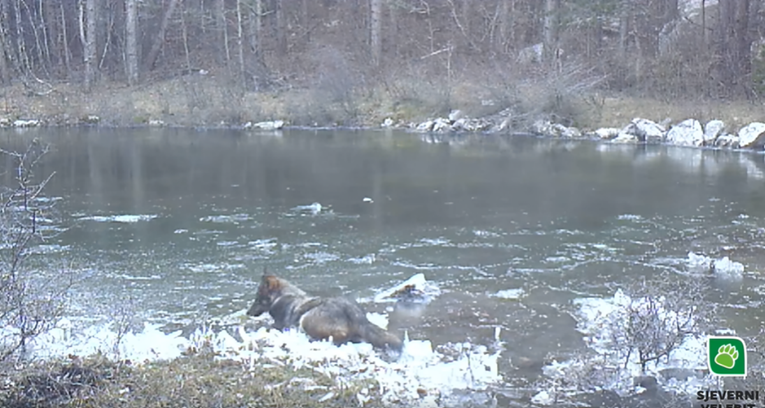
[(206, 100), (197, 380)]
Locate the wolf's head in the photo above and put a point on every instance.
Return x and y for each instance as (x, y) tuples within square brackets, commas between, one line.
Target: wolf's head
[(269, 290)]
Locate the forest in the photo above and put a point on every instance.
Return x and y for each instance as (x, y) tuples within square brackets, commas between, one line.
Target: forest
[(371, 59)]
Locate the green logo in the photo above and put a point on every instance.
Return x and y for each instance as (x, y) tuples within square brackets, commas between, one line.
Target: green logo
[(726, 355)]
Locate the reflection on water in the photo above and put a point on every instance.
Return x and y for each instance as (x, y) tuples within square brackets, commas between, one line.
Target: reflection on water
[(181, 224)]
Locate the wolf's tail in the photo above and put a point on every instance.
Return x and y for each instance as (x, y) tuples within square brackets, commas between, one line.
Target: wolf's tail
[(379, 337)]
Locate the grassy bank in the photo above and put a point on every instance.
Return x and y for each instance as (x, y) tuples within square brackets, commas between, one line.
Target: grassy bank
[(198, 380), (211, 100)]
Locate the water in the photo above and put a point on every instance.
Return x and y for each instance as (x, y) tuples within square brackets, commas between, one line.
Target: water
[(176, 226)]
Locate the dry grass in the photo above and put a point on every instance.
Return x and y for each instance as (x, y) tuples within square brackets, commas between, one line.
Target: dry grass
[(198, 380), (211, 100), (616, 111)]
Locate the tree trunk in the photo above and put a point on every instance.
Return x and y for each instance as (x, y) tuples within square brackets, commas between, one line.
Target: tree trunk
[(91, 63), (151, 59), (65, 41), (725, 31), (131, 40), (5, 71), (240, 42), (220, 19), (505, 24), (393, 28), (375, 20), (281, 28), (550, 30)]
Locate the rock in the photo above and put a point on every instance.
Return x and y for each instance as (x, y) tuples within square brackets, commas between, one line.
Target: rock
[(607, 133), (547, 128), (388, 122), (643, 130), (91, 119), (23, 123), (625, 137), (441, 125), (726, 140), (459, 125), (712, 130), (455, 115), (646, 381), (269, 125), (426, 126), (155, 122), (5, 122), (505, 124), (649, 131), (752, 135), (471, 125), (542, 127), (686, 133), (566, 131)]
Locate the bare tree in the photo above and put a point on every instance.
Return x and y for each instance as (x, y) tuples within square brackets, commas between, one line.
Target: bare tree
[(131, 40), (375, 28), (88, 35), (151, 58), (240, 41), (29, 304), (550, 29)]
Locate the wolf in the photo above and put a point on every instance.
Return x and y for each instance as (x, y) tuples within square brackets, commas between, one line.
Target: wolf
[(341, 319)]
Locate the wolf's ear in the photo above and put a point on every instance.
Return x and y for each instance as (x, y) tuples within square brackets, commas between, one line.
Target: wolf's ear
[(271, 282)]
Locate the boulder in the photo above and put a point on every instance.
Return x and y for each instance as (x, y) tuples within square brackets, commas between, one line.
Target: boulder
[(607, 133), (426, 126), (625, 137), (388, 122), (470, 125), (269, 125), (22, 123), (686, 133), (649, 131), (91, 119), (752, 136), (712, 130), (726, 140), (644, 130), (547, 128), (455, 115), (542, 127), (441, 125), (504, 124)]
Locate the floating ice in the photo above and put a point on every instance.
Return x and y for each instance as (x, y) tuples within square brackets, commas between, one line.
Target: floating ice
[(421, 373), (226, 219), (313, 208), (600, 321), (416, 285), (127, 219), (510, 293), (722, 267), (726, 268)]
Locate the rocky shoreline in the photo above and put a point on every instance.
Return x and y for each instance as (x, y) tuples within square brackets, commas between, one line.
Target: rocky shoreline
[(689, 133)]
